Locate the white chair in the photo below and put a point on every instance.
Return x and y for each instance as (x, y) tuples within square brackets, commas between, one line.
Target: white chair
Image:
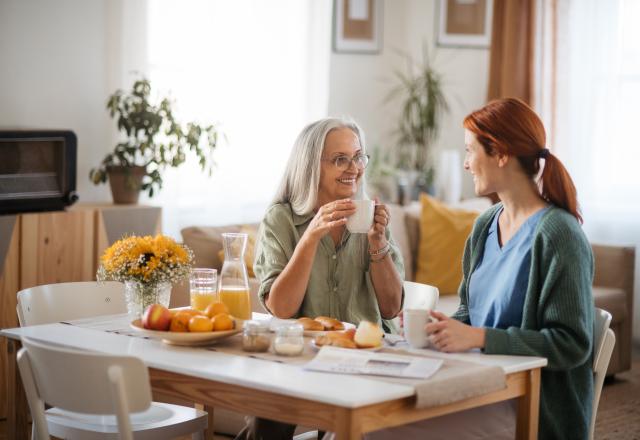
[(420, 296), (603, 341), (68, 301), (95, 387)]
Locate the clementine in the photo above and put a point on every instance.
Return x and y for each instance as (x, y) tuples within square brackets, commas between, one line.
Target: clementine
[(214, 308), (200, 323), (180, 322), (191, 312), (222, 321)]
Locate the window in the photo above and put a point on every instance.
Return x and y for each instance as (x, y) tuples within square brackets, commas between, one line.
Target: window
[(598, 93), (260, 70)]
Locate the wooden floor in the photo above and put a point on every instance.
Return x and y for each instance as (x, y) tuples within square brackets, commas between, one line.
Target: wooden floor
[(618, 413)]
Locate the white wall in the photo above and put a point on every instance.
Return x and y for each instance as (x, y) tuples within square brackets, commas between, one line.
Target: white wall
[(360, 82), (59, 61), (53, 73)]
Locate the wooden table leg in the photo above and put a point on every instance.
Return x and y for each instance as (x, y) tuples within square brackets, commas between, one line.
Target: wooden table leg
[(208, 434), (529, 408), (18, 409), (348, 426)]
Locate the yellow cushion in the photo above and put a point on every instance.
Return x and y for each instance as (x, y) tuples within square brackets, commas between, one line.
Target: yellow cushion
[(443, 232), (249, 253)]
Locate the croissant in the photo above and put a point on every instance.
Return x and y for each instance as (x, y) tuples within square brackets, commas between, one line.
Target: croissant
[(310, 325), (330, 323)]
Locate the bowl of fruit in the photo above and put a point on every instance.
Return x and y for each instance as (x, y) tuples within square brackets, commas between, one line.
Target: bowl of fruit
[(185, 326)]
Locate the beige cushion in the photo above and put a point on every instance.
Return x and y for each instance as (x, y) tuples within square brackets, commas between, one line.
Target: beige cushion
[(412, 223), (206, 242), (612, 300), (398, 229)]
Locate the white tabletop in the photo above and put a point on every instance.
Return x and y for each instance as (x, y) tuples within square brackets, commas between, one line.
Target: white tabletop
[(343, 390)]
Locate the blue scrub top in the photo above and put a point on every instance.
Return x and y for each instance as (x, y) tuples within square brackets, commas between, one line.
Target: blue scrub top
[(498, 285)]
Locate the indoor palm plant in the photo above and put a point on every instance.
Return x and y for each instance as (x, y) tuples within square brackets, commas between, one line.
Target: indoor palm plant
[(423, 104), (152, 140)]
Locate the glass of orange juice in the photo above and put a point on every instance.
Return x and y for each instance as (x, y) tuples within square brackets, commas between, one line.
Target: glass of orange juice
[(203, 287)]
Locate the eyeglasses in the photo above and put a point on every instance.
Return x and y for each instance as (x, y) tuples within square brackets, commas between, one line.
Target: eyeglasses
[(344, 162)]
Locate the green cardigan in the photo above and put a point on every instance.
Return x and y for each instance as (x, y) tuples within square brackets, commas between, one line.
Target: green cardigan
[(557, 319)]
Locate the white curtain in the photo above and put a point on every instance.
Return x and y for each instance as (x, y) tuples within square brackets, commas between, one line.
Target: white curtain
[(258, 69), (595, 126)]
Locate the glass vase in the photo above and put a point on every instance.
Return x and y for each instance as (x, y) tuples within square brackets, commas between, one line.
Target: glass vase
[(141, 295)]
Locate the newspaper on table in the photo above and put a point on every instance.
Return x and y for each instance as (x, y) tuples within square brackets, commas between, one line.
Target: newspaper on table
[(349, 361)]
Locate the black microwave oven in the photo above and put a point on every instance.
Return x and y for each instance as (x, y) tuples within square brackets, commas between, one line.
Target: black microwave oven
[(37, 170)]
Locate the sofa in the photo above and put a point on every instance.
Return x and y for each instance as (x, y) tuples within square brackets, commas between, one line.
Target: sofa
[(613, 281)]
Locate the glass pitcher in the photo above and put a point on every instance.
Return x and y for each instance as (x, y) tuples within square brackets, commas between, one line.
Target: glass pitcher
[(234, 282)]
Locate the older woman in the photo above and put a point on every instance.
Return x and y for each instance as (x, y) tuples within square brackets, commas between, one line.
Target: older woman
[(527, 274), (308, 263)]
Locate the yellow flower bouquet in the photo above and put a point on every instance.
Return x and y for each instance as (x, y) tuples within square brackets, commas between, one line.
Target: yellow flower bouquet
[(147, 265)]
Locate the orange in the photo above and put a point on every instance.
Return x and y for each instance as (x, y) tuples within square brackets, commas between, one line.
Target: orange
[(191, 312), (214, 308), (200, 323), (180, 322), (222, 321)]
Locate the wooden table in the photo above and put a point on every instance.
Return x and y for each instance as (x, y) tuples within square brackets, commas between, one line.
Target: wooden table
[(346, 405)]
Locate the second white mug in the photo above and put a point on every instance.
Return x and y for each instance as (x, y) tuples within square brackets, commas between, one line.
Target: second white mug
[(415, 321)]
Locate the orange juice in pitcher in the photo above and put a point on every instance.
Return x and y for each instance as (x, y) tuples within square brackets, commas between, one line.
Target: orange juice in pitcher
[(237, 301), (234, 282)]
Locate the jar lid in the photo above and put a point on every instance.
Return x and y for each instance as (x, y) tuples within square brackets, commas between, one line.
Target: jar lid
[(290, 329), (255, 326)]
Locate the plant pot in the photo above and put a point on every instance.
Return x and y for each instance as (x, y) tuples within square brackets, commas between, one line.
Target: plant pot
[(139, 296), (126, 183)]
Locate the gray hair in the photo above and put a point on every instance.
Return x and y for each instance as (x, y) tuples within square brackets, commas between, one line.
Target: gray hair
[(299, 185)]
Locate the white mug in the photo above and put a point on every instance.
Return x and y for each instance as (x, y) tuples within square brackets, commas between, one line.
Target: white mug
[(415, 321), (361, 220)]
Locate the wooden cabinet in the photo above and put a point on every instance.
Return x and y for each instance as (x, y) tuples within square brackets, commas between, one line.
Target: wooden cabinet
[(57, 247)]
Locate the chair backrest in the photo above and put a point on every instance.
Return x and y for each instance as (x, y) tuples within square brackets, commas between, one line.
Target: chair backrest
[(80, 381), (603, 341), (420, 296), (66, 301)]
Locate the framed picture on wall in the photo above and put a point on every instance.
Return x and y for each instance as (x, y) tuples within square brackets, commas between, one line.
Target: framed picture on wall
[(465, 23), (357, 26)]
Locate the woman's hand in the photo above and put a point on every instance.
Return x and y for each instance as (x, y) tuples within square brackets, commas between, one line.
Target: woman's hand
[(329, 216), (450, 335), (381, 217)]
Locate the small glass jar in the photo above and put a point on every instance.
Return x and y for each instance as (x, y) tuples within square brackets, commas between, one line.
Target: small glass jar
[(255, 336), (289, 340)]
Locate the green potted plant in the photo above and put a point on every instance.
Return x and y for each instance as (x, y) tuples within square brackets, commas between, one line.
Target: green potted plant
[(152, 141), (423, 105)]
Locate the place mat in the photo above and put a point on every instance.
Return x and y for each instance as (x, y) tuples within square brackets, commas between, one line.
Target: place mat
[(233, 345), (454, 381), (118, 324)]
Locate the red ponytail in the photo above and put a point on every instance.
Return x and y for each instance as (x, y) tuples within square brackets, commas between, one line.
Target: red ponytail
[(557, 187), (510, 127)]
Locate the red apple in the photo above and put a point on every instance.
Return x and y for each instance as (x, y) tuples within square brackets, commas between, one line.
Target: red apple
[(156, 317)]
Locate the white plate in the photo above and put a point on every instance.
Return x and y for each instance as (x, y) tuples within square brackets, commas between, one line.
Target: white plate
[(186, 338), (275, 322), (316, 347)]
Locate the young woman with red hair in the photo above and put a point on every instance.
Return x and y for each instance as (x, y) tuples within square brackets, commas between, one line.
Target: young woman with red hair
[(527, 275)]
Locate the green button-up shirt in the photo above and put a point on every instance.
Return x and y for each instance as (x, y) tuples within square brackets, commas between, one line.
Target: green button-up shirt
[(340, 283)]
